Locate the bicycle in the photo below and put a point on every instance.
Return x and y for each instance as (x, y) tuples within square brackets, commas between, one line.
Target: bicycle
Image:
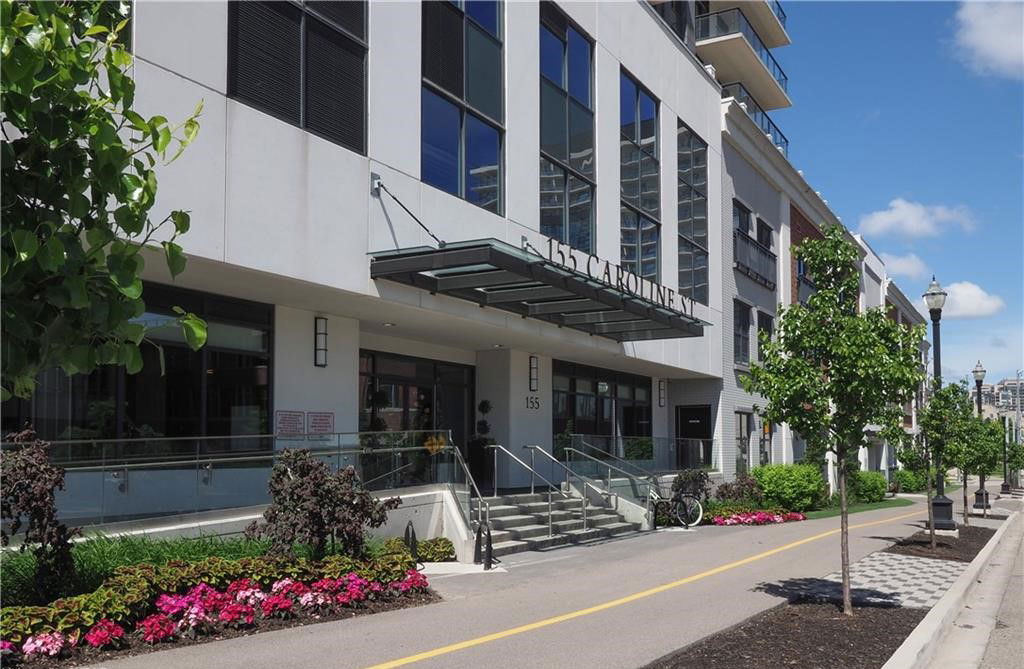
[(682, 506)]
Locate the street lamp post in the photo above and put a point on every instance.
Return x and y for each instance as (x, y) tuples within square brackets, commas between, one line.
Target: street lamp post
[(942, 506), (981, 495)]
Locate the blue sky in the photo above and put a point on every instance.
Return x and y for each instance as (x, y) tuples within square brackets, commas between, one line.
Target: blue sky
[(907, 117)]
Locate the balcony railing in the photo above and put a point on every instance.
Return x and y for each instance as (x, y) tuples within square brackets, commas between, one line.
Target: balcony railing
[(779, 12), (767, 126), (753, 259), (732, 21)]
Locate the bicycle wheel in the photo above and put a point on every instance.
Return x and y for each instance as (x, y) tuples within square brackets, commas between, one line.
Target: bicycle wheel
[(688, 511)]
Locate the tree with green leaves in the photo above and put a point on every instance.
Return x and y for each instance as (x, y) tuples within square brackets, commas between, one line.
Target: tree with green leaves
[(988, 450), (948, 419), (79, 183), (831, 370)]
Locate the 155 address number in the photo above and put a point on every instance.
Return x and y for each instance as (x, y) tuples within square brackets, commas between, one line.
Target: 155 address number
[(532, 402)]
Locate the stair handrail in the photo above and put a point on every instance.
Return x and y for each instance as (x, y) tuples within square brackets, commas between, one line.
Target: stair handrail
[(482, 506), (533, 472), (653, 492), (645, 473), (569, 472)]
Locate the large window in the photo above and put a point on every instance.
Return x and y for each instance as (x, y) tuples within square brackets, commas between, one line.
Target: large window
[(740, 217), (744, 428), (303, 62), (693, 214), (640, 228), (462, 109), (601, 403), (223, 389), (741, 332), (765, 324), (567, 175)]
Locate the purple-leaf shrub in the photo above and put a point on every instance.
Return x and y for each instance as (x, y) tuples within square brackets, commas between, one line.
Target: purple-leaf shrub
[(311, 505), (28, 485)]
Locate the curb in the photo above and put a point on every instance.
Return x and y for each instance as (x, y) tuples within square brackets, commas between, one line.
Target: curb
[(917, 649)]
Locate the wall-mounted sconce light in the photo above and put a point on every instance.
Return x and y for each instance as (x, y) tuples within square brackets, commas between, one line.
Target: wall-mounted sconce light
[(534, 374), (319, 341), (661, 392)]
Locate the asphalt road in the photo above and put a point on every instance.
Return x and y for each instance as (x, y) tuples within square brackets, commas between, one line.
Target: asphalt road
[(621, 603)]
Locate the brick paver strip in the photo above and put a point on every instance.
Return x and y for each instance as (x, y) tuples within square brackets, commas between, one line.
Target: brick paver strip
[(890, 578)]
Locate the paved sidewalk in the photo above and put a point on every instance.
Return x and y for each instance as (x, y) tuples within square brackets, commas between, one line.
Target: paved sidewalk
[(1005, 648), (617, 604)]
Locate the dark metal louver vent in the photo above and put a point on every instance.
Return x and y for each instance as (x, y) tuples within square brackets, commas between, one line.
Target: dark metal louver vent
[(334, 85), (264, 64), (443, 46), (348, 14)]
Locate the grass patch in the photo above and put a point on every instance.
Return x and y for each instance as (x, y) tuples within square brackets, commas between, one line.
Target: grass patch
[(857, 508)]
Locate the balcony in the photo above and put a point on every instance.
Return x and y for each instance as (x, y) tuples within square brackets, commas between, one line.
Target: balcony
[(728, 41), (768, 127), (767, 17), (753, 259)]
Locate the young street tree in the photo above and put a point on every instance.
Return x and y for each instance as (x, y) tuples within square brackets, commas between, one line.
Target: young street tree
[(79, 182), (831, 371), (989, 451), (948, 423)]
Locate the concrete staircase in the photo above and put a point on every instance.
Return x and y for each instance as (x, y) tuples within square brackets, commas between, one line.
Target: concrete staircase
[(520, 523)]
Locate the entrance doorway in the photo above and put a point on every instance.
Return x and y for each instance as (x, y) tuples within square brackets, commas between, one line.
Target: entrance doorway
[(693, 437)]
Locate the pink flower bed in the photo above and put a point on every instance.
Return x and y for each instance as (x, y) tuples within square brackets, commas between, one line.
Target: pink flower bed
[(757, 518), (242, 604)]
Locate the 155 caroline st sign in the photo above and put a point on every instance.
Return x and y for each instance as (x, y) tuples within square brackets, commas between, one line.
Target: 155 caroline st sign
[(614, 276)]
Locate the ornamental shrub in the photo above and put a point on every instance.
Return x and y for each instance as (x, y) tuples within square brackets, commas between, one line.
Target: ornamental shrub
[(438, 549), (311, 505), (868, 487), (743, 488), (28, 486), (693, 481), (793, 487), (908, 480)]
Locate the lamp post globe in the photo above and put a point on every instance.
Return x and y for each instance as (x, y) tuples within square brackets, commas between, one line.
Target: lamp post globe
[(981, 494), (942, 506)]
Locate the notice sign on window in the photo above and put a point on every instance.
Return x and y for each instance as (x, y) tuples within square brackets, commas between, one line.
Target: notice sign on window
[(320, 422), (290, 424)]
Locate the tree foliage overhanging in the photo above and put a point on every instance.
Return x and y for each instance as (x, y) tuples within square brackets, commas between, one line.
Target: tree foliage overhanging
[(79, 184), (833, 371)]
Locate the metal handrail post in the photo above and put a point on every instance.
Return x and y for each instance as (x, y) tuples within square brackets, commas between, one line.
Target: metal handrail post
[(583, 508), (531, 471), (495, 482), (549, 514)]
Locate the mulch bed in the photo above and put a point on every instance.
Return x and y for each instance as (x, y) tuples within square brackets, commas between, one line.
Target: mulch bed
[(805, 635), (84, 655), (963, 549)]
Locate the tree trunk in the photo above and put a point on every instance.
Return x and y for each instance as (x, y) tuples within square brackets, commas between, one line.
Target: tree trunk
[(984, 499), (928, 493), (844, 529), (966, 513)]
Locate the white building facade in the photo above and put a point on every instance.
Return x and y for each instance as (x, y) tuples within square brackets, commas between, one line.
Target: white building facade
[(578, 212)]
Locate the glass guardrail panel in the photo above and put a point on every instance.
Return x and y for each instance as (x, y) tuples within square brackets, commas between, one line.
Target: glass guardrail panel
[(149, 491)]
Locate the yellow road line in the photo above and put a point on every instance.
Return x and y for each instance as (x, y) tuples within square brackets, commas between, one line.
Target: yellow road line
[(469, 643)]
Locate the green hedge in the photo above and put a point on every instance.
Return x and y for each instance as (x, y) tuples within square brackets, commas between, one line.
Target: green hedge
[(792, 487), (867, 487), (909, 481)]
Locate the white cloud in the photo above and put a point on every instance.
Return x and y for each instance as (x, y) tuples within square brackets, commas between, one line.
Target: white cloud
[(913, 219), (909, 265), (969, 300), (990, 37)]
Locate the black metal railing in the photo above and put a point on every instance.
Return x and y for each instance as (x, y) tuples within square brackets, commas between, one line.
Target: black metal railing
[(780, 13), (731, 21), (758, 115), (753, 259)]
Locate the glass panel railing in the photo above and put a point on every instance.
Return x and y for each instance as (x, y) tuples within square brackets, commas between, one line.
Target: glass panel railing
[(780, 13), (758, 115), (645, 456), (753, 259), (131, 479), (732, 21)]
